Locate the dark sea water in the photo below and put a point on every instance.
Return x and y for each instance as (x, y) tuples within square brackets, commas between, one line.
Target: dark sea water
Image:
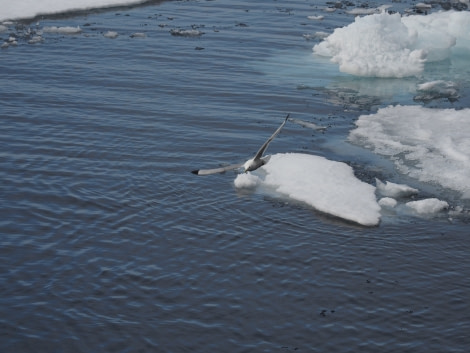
[(109, 244)]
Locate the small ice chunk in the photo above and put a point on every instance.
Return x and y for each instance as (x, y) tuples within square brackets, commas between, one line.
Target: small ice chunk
[(422, 6), (111, 34), (437, 90), (435, 85), (316, 35), (35, 40), (3, 28), (246, 180), (368, 11), (308, 124), (316, 18), (387, 202), (186, 32), (138, 35), (428, 206), (394, 190), (457, 211), (62, 30)]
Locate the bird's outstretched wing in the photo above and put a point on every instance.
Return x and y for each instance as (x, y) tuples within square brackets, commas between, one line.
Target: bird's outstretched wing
[(260, 152), (258, 156), (217, 170)]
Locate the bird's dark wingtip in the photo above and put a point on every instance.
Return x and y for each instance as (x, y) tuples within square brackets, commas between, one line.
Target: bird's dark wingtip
[(195, 171)]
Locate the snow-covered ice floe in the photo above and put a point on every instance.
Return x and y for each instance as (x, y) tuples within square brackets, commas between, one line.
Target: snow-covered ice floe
[(332, 188), (393, 190), (429, 145), (327, 186), (387, 202), (390, 192), (389, 45), (22, 9), (428, 206), (438, 89)]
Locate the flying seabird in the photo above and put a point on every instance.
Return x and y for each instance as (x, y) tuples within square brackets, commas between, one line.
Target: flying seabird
[(252, 164)]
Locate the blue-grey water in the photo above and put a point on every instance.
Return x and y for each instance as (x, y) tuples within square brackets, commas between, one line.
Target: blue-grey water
[(109, 244)]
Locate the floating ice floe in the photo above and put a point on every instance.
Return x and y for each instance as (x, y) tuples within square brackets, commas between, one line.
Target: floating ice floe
[(138, 35), (389, 45), (186, 32), (62, 30), (368, 11), (111, 34), (21, 9), (421, 6), (389, 189), (35, 40), (430, 145), (387, 202), (316, 35), (438, 89), (316, 18), (331, 188), (428, 206), (328, 186)]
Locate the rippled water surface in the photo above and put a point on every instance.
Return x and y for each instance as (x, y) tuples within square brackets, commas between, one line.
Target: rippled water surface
[(109, 244)]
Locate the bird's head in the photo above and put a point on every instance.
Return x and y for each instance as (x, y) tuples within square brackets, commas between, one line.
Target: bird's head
[(248, 164)]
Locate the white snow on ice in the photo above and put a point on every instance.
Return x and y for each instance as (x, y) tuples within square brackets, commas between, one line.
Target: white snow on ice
[(246, 180), (430, 145), (22, 9), (327, 186), (389, 45)]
